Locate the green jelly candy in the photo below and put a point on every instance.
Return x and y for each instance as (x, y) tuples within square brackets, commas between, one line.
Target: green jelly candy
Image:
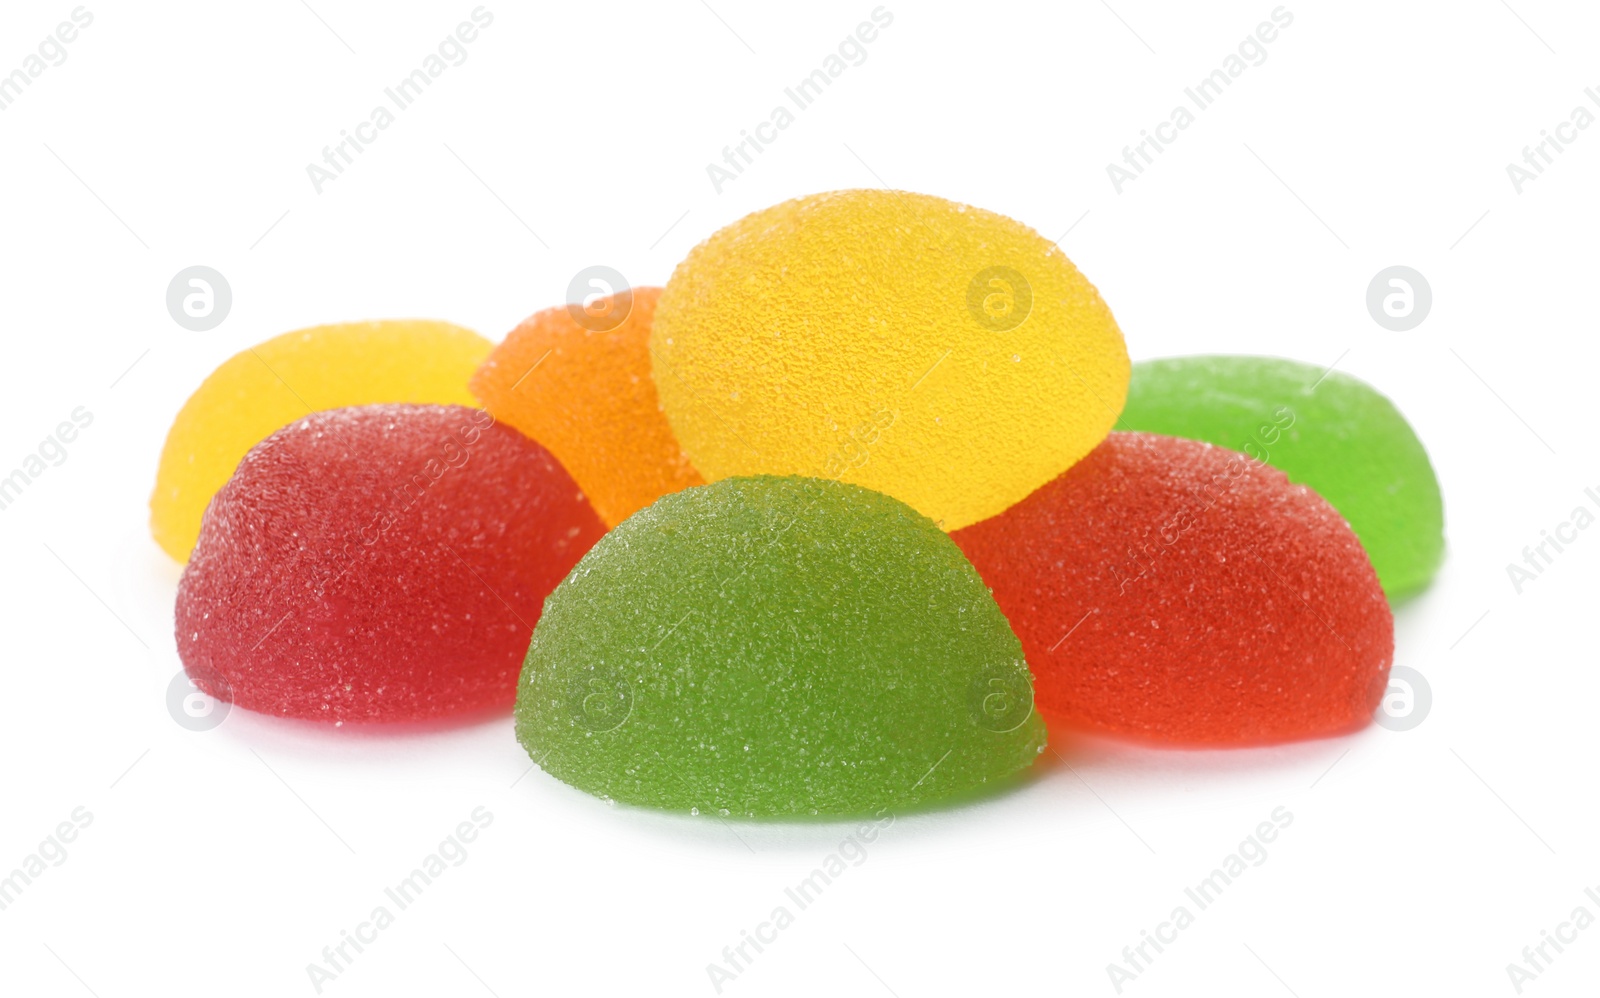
[(1336, 434), (774, 646)]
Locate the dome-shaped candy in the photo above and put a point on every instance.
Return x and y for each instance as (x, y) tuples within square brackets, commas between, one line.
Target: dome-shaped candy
[(1327, 430), (939, 353), (582, 388), (776, 646), (1174, 591), (272, 384), (378, 563)]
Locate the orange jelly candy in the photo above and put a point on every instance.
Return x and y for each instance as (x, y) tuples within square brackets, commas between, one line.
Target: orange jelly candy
[(577, 379)]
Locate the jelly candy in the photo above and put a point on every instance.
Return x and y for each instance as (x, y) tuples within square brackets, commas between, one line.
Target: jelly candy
[(274, 383), (1173, 591), (776, 646), (378, 563), (945, 355)]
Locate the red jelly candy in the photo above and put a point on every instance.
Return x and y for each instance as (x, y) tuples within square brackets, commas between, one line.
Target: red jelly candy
[(1173, 591), (379, 563)]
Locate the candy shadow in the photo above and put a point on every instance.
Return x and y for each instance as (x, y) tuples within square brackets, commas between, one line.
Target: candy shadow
[(363, 740), (779, 834), (1074, 751)]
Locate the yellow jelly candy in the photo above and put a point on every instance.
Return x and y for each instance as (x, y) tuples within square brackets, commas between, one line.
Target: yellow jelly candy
[(945, 355), (274, 383)]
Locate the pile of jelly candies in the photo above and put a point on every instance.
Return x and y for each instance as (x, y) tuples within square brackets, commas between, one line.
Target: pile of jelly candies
[(827, 524)]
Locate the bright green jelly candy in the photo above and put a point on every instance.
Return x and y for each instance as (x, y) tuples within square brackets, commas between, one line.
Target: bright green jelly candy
[(776, 646), (1336, 434)]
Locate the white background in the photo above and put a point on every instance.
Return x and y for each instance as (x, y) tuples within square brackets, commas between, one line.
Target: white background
[(222, 862)]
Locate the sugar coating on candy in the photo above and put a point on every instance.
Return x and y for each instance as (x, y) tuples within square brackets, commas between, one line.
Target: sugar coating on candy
[(1327, 430), (379, 563), (1174, 591), (776, 646), (272, 384), (945, 355), (588, 395)]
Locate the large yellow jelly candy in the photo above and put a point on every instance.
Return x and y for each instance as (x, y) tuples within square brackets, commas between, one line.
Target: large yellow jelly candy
[(945, 355), (274, 383)]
